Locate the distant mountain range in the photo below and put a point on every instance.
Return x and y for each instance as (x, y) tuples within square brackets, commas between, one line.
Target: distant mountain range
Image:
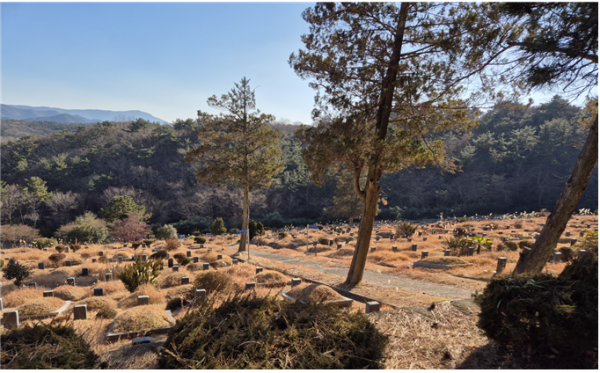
[(51, 114)]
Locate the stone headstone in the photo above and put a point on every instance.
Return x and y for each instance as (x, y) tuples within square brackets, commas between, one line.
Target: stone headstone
[(424, 254), (94, 260), (501, 265), (424, 238), (219, 256), (175, 267), (205, 266), (71, 281), (101, 253), (85, 271), (557, 256), (414, 247), (409, 239), (68, 263), (259, 269), (170, 262), (573, 241), (80, 312), (250, 285), (373, 248), (234, 261), (470, 250), (567, 234), (140, 340), (580, 253), (41, 265), (447, 252), (120, 260), (195, 259), (107, 276), (144, 257), (188, 254), (143, 300), (372, 307), (296, 281), (185, 280), (97, 292), (420, 233), (395, 249), (48, 293), (32, 285), (1, 305), (10, 319), (439, 237)]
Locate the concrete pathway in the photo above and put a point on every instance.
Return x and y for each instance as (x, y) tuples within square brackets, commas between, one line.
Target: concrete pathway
[(379, 279)]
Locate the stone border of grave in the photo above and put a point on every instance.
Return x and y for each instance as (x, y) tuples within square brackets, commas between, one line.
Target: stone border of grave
[(47, 314), (347, 302), (419, 263), (112, 337)]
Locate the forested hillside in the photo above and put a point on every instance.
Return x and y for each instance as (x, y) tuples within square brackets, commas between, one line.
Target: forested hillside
[(517, 159)]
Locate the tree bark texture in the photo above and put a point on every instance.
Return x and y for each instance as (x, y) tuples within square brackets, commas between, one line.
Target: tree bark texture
[(533, 261), (245, 218), (370, 195)]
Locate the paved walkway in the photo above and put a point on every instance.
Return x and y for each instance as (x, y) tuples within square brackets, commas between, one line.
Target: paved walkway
[(379, 279)]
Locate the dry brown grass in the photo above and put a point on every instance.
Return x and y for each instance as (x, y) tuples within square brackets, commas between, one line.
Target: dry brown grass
[(108, 288), (243, 270), (173, 279), (155, 296), (39, 306), (342, 252), (444, 260), (21, 296), (98, 303), (387, 256), (314, 293), (271, 278), (442, 341), (141, 318), (68, 292)]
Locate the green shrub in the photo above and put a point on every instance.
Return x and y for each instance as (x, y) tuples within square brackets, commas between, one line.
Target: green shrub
[(1, 263), (233, 230), (320, 227), (15, 270), (159, 255), (252, 229), (46, 347), (138, 272), (166, 231), (89, 233), (543, 312), (283, 234), (566, 254), (199, 239), (136, 244), (589, 243), (263, 333), (323, 241), (42, 243), (260, 229), (511, 245), (405, 229), (182, 259), (218, 227), (148, 242)]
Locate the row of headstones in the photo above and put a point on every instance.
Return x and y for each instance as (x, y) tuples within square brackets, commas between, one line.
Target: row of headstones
[(556, 258)]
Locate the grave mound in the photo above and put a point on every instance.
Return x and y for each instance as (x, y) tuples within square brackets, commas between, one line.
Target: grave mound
[(68, 292), (98, 303), (21, 296), (39, 306), (342, 252), (141, 318), (448, 260), (271, 278), (213, 281), (154, 296), (315, 293), (244, 270)]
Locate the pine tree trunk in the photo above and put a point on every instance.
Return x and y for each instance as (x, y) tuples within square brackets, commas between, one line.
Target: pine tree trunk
[(535, 259), (245, 218), (351, 222), (359, 260)]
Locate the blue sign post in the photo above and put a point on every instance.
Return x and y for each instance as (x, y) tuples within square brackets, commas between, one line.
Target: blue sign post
[(241, 232)]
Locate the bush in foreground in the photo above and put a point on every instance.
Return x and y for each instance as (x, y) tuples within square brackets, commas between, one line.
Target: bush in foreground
[(550, 315), (264, 333), (46, 347)]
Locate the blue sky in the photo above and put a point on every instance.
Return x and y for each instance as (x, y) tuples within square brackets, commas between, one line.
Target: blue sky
[(162, 58)]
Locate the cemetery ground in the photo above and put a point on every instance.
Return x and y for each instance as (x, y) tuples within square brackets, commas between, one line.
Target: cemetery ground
[(427, 313)]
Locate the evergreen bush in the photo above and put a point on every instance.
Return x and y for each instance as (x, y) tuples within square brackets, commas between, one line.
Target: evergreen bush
[(252, 229), (166, 232), (133, 275), (42, 243), (218, 227), (15, 270)]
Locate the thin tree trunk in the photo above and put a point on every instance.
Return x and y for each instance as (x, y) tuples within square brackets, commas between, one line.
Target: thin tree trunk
[(245, 218), (534, 260), (359, 260), (351, 221)]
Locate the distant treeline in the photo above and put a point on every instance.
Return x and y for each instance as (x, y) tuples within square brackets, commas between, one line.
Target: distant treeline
[(517, 159)]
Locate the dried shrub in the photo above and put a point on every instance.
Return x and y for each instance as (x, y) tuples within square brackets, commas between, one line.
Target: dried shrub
[(282, 235), (176, 303), (141, 318), (172, 244), (60, 248), (75, 247), (18, 233), (268, 334), (106, 313), (56, 258), (566, 254), (68, 292), (159, 255), (271, 278), (44, 346), (21, 296), (172, 280), (512, 246), (518, 224), (243, 270), (214, 282), (41, 305), (323, 241), (543, 313)]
